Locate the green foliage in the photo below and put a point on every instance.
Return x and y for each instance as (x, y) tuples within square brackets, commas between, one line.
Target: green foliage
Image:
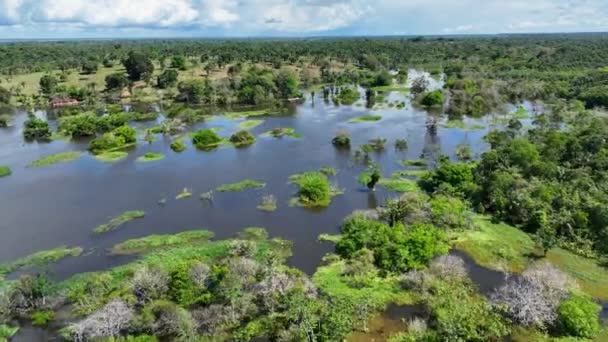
[(167, 79), (5, 171), (110, 157), (397, 248), (40, 258), (63, 157), (348, 96), (242, 138), (240, 186), (182, 289), (89, 67), (433, 98), (150, 157), (116, 81), (35, 128), (48, 83), (154, 242), (42, 318), (399, 184), (179, 62), (365, 118), (81, 125), (579, 316), (370, 177), (455, 178), (178, 146), (7, 331), (107, 143), (342, 140), (314, 189), (195, 91), (118, 221), (138, 66), (206, 139), (401, 144)]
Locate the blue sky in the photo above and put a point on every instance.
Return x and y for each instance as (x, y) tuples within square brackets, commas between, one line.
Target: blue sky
[(246, 18)]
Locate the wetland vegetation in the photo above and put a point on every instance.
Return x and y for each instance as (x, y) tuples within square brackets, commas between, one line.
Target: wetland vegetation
[(485, 222)]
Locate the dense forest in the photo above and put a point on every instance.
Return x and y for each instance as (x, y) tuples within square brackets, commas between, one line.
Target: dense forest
[(533, 205)]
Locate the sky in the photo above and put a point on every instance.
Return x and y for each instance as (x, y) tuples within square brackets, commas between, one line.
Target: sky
[(53, 19)]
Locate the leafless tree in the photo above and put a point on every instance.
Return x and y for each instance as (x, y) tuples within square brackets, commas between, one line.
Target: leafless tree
[(243, 248), (149, 283), (208, 319), (107, 322), (419, 85), (199, 273), (553, 281), (448, 266)]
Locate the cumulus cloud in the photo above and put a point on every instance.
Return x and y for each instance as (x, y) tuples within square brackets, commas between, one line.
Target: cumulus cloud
[(301, 17)]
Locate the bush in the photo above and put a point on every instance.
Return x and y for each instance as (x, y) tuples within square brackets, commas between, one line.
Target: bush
[(578, 316), (81, 125), (42, 318), (167, 79), (242, 138), (314, 189), (433, 98), (341, 140), (5, 171), (128, 133), (116, 81), (112, 121), (35, 128), (106, 142), (178, 146), (169, 321), (205, 139)]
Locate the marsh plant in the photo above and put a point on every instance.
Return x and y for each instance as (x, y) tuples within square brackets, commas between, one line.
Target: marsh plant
[(401, 144), (341, 140), (268, 203), (207, 196)]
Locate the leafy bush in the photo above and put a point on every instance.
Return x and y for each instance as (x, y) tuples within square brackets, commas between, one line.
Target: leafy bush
[(242, 138), (35, 128), (578, 316), (42, 318), (167, 79), (205, 139), (106, 142), (433, 98), (348, 96), (314, 189), (112, 121), (178, 146), (128, 133), (341, 140), (81, 125)]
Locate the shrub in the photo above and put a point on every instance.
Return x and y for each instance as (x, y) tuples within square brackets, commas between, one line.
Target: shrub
[(433, 98), (205, 139), (178, 146), (149, 284), (169, 321), (116, 81), (107, 322), (128, 133), (314, 189), (106, 142), (167, 79), (35, 128), (5, 171), (42, 318), (348, 96), (341, 140), (81, 125), (242, 138), (401, 144), (578, 316), (112, 121)]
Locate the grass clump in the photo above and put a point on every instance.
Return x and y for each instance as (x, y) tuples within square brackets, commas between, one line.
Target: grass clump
[(314, 189), (249, 124), (178, 146), (398, 184), (39, 258), (462, 125), (328, 171), (365, 118), (341, 140), (240, 186), (119, 220), (409, 173), (150, 157), (110, 157), (63, 157), (401, 144), (242, 138), (591, 276), (268, 203), (42, 318), (184, 194), (521, 113), (7, 331), (348, 96), (280, 132), (153, 242), (206, 139), (5, 171), (414, 162)]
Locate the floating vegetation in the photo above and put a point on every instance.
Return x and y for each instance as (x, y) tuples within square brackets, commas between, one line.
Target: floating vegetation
[(280, 132), (463, 152), (347, 96), (184, 194), (521, 113), (249, 124), (414, 162), (401, 144), (399, 184), (314, 189), (410, 173), (376, 144), (240, 186), (242, 138), (341, 140), (38, 259), (329, 237), (178, 146), (150, 157), (365, 118), (460, 124), (118, 221), (394, 87), (328, 171), (63, 157), (206, 139), (207, 196), (253, 113), (110, 157), (268, 203), (153, 242), (5, 171)]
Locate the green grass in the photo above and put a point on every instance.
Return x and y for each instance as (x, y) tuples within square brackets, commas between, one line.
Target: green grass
[(63, 157), (281, 132), (110, 157), (154, 242), (252, 113), (40, 258), (410, 173), (328, 171), (378, 291), (414, 162), (240, 186), (398, 184), (497, 246), (592, 277), (7, 331), (365, 118), (5, 171), (394, 87), (184, 194), (150, 157), (249, 124), (330, 238), (521, 113), (462, 125), (119, 220)]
